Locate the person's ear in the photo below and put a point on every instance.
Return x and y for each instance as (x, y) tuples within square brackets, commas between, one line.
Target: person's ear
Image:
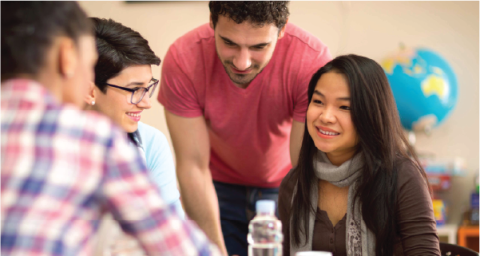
[(68, 57), (211, 22), (282, 31), (90, 97)]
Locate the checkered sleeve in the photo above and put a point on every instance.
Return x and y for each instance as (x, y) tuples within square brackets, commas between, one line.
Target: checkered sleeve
[(136, 204)]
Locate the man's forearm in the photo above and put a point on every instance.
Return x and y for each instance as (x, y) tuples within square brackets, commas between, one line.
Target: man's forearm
[(201, 203)]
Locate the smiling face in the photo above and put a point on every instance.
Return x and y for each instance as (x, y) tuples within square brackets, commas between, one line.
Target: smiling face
[(244, 49), (329, 121), (115, 102)]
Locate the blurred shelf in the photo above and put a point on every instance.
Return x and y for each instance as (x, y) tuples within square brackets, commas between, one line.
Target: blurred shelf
[(439, 182), (468, 237), (449, 231)]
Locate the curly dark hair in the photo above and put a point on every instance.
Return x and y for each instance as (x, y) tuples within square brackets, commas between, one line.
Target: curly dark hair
[(257, 12)]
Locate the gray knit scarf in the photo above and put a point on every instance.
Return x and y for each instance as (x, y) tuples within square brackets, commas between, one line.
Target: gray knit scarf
[(360, 240)]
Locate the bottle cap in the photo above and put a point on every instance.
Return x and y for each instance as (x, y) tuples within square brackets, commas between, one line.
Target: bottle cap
[(265, 206)]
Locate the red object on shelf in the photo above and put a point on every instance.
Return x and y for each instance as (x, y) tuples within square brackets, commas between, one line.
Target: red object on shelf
[(439, 181)]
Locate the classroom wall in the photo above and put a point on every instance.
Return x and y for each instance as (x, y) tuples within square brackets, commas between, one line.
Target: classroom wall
[(373, 29)]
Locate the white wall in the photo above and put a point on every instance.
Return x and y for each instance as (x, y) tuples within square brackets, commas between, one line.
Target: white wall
[(372, 29)]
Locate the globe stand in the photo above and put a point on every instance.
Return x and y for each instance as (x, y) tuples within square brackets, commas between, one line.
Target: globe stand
[(412, 138), (427, 130)]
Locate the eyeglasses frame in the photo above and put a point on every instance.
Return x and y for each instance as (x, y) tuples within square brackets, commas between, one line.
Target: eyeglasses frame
[(146, 89)]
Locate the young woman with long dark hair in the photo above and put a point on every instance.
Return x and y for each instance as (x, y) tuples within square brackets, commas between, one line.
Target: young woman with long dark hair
[(358, 188)]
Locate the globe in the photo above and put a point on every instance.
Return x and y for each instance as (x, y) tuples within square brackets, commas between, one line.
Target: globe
[(424, 87)]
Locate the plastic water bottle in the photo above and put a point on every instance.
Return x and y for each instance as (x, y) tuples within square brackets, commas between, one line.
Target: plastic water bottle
[(265, 231)]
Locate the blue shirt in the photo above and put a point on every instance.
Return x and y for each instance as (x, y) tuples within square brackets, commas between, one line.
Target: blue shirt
[(154, 146)]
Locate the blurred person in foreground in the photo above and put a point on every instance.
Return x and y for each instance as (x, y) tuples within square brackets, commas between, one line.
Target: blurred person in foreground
[(63, 168), (235, 96), (122, 89), (358, 188)]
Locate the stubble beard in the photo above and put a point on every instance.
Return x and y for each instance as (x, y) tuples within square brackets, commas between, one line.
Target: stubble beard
[(242, 79)]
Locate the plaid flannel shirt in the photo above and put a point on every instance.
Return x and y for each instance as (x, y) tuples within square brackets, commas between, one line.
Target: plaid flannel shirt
[(62, 168)]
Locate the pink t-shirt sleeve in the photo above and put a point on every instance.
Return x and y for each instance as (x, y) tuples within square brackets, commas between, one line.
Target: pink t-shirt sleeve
[(312, 64), (177, 92)]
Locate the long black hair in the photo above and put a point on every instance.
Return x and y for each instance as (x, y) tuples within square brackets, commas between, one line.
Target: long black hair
[(380, 139)]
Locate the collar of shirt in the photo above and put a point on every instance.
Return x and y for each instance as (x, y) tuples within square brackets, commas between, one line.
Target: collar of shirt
[(21, 89)]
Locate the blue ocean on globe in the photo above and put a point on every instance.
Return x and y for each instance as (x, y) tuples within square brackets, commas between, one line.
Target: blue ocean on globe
[(424, 86)]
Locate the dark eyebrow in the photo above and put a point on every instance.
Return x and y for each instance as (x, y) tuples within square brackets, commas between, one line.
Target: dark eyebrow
[(261, 45), (138, 83), (257, 45), (228, 40), (341, 98)]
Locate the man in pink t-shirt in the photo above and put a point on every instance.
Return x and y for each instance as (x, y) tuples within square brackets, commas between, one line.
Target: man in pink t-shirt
[(235, 97)]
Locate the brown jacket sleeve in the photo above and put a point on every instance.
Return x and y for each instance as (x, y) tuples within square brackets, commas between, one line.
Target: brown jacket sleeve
[(416, 222)]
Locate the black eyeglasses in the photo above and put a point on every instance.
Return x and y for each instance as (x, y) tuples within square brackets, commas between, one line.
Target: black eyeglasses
[(139, 92)]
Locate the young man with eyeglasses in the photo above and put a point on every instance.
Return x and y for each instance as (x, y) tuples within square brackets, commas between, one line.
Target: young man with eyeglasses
[(235, 97), (122, 91)]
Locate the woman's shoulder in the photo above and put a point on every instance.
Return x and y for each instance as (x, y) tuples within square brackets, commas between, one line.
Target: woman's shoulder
[(409, 172)]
